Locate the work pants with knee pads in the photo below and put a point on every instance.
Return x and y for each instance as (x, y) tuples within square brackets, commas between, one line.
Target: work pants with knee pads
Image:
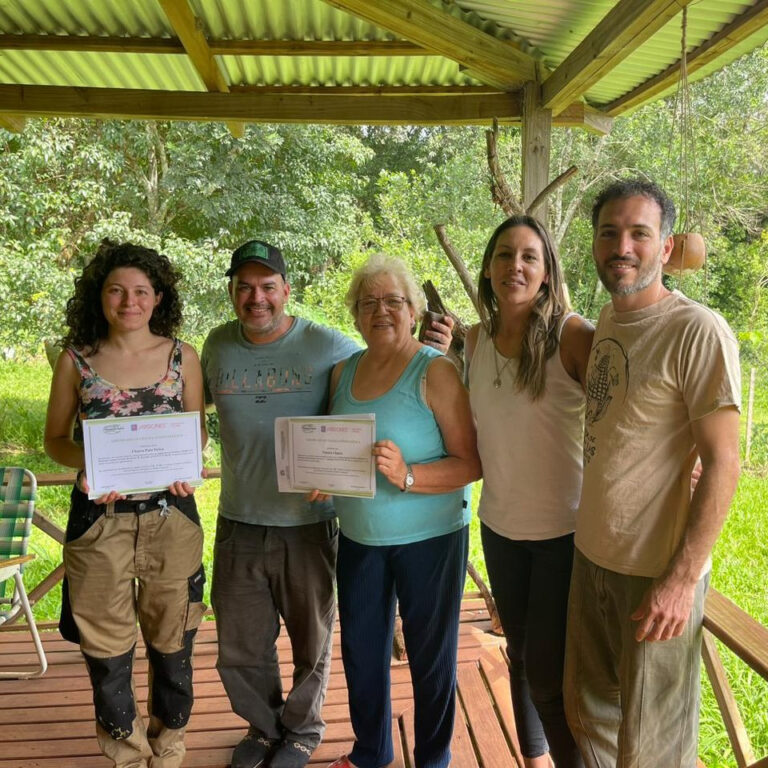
[(136, 560)]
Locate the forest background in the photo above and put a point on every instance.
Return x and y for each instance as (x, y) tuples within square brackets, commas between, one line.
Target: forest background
[(328, 197)]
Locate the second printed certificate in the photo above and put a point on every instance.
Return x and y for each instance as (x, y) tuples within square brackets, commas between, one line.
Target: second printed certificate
[(332, 454)]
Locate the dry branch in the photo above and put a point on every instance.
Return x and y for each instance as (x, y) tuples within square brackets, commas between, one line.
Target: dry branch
[(457, 262), (550, 188), (501, 192), (490, 603)]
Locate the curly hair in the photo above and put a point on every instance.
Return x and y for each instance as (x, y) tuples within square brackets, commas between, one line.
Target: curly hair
[(551, 305), (636, 187), (84, 316)]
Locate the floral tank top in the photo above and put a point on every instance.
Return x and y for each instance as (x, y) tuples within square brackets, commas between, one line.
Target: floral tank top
[(100, 398)]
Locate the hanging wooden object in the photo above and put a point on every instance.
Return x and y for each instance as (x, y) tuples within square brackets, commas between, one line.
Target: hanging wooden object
[(689, 251), (688, 254)]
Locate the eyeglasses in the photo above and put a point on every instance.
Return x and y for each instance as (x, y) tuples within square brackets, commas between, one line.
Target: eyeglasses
[(391, 304)]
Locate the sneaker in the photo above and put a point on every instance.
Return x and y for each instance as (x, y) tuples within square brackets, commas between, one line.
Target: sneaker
[(291, 754), (342, 762), (253, 750)]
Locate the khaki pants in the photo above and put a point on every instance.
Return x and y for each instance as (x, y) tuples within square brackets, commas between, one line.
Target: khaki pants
[(129, 561), (629, 704)]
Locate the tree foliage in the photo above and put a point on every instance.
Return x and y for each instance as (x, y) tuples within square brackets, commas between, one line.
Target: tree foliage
[(329, 196)]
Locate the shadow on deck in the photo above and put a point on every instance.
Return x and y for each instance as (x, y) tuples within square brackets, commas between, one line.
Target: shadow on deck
[(48, 722)]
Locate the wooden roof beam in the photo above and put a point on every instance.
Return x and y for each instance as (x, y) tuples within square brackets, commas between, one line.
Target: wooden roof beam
[(738, 30), (317, 48), (492, 61), (91, 44), (267, 106), (172, 45), (189, 29), (624, 29)]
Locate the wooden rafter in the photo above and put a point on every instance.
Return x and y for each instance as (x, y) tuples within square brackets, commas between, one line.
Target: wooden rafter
[(624, 29), (369, 90), (493, 61), (90, 44), (738, 30), (255, 106), (190, 33), (172, 45), (266, 105), (581, 115)]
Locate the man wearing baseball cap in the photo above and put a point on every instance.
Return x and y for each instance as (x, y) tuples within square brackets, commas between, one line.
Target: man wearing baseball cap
[(275, 554)]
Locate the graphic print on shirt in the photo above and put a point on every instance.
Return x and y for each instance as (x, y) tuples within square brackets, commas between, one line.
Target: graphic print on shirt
[(263, 378), (607, 382)]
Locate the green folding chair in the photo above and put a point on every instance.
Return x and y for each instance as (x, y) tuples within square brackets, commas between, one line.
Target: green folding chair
[(18, 491)]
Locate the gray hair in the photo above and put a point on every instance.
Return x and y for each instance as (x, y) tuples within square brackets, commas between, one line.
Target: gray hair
[(379, 264)]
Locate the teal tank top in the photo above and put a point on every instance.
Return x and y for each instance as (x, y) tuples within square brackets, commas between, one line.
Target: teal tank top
[(394, 517)]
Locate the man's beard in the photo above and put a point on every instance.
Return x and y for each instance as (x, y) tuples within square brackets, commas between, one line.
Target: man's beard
[(644, 277)]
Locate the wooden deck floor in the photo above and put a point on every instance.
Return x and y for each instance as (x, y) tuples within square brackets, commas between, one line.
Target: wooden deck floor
[(48, 722)]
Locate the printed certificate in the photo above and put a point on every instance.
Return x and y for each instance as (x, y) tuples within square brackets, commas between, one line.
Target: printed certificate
[(140, 454), (329, 453)]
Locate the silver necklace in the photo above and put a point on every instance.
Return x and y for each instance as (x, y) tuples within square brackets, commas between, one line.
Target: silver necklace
[(499, 371)]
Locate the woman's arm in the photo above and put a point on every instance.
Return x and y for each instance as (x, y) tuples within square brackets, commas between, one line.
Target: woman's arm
[(192, 395), (60, 417), (449, 401), (192, 399), (575, 346)]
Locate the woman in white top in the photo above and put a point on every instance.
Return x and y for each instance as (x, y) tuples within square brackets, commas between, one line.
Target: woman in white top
[(527, 361)]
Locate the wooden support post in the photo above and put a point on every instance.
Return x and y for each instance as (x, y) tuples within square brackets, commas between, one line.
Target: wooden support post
[(537, 135)]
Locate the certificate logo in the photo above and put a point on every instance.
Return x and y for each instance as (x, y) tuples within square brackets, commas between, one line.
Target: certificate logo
[(113, 429), (309, 428), (134, 427)]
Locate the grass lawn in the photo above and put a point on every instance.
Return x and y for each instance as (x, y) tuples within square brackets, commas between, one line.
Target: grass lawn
[(740, 557)]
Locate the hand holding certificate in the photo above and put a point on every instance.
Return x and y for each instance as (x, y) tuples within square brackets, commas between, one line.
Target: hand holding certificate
[(142, 454), (331, 454)]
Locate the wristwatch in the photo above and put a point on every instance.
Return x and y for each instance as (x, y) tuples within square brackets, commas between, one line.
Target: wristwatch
[(408, 482)]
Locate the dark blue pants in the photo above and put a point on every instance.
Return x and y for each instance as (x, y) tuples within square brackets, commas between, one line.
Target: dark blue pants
[(530, 582), (427, 578)]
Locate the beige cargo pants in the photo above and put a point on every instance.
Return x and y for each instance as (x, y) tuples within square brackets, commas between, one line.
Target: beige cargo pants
[(128, 561)]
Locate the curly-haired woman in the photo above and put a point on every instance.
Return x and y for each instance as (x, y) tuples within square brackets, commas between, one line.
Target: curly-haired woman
[(136, 557), (527, 366)]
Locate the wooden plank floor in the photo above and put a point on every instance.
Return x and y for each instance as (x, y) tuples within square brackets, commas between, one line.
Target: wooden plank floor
[(48, 722)]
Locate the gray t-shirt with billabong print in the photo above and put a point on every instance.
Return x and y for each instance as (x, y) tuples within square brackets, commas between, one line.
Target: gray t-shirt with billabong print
[(251, 385)]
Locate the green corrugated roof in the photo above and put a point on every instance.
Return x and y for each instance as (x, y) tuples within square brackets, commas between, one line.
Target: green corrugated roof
[(548, 30)]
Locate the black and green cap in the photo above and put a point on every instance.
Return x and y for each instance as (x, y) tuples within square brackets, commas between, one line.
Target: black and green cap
[(260, 253)]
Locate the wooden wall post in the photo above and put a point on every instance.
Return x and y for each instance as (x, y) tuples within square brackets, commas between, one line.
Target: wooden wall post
[(537, 135)]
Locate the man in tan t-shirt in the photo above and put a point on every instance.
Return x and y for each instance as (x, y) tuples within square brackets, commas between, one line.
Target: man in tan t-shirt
[(663, 386)]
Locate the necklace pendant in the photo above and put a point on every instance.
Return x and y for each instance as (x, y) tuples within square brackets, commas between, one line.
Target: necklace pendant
[(497, 382)]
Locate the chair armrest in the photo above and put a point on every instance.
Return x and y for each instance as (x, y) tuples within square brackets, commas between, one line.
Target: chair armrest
[(16, 560)]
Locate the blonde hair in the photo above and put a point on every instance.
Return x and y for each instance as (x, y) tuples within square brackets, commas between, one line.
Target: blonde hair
[(365, 276)]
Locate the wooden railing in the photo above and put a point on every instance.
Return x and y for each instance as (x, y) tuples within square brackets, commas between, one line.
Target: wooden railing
[(723, 619)]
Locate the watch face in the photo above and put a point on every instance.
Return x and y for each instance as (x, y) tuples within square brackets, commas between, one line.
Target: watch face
[(409, 480)]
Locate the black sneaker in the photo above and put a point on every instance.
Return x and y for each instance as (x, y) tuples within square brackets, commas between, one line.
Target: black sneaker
[(290, 754), (254, 750)]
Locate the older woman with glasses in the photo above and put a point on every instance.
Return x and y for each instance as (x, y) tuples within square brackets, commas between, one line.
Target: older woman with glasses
[(409, 543)]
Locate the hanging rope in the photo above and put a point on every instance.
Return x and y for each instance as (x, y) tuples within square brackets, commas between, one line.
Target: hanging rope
[(683, 128)]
